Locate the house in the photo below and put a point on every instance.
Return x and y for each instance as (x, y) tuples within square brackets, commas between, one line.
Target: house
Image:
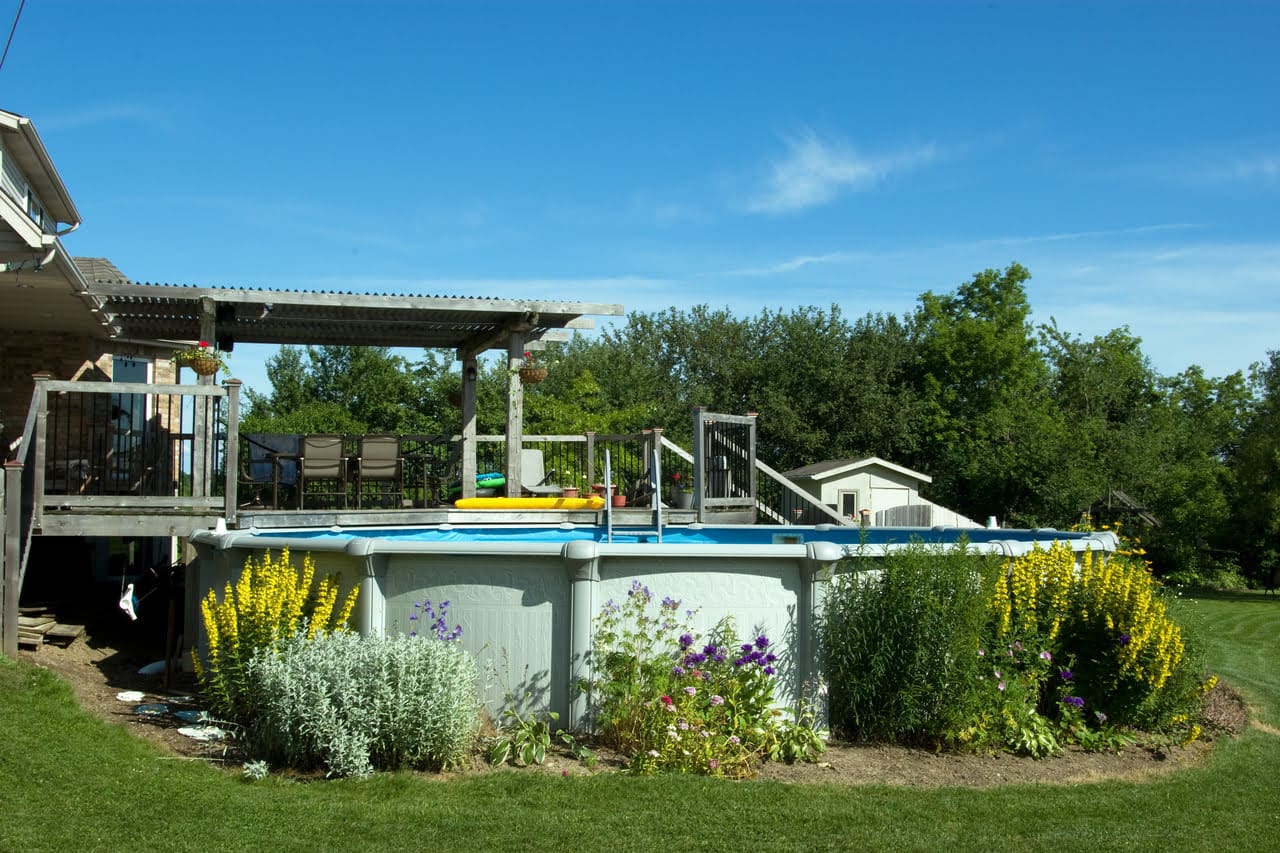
[(883, 493), (99, 437)]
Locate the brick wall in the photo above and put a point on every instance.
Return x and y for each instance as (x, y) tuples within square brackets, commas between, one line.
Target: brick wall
[(64, 357)]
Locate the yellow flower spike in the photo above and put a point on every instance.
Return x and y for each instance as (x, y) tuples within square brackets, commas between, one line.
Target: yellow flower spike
[(262, 608)]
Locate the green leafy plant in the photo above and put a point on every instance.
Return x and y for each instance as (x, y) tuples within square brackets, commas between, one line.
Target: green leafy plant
[(899, 640), (522, 739), (578, 750)]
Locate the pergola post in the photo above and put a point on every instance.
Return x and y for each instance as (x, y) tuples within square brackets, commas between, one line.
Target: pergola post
[(470, 371), (515, 412)]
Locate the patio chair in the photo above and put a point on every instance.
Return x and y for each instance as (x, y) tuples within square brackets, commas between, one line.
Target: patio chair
[(533, 479), (322, 469), (381, 464), (270, 461)]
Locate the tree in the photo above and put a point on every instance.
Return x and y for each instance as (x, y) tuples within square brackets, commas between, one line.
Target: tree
[(991, 432), (1256, 467)]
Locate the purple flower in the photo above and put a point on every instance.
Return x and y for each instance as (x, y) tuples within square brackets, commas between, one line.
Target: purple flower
[(768, 670), (1066, 675), (747, 648), (1122, 640), (677, 670), (762, 642), (670, 603), (686, 640), (1102, 718), (1073, 700), (691, 690)]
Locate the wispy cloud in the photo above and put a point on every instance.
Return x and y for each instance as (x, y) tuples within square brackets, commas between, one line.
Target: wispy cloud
[(791, 265), (866, 255), (1215, 169), (1265, 168), (118, 113), (816, 171)]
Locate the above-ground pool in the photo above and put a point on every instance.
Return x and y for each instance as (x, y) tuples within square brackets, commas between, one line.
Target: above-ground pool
[(526, 596), (873, 540)]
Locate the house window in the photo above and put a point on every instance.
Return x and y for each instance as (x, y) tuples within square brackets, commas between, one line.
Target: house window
[(849, 504)]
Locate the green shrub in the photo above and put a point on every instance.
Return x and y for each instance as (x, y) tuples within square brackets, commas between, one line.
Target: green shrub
[(899, 639), (354, 705)]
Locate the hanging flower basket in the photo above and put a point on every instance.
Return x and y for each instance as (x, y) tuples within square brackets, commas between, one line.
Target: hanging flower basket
[(204, 359), (204, 365), (532, 375)]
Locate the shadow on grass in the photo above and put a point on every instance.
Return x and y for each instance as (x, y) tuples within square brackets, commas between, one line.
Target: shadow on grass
[(1241, 595)]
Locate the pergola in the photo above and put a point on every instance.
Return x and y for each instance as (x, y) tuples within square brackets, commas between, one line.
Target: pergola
[(468, 325)]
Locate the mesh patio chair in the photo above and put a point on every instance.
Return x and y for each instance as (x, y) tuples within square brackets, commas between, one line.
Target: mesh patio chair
[(380, 464), (322, 470)]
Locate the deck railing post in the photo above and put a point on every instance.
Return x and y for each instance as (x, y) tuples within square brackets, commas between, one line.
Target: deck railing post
[(36, 453), (12, 558), (231, 451)]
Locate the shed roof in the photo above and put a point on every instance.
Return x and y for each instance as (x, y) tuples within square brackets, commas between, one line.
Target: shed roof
[(833, 468)]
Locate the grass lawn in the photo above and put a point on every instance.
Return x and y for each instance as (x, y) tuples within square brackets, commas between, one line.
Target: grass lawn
[(70, 781)]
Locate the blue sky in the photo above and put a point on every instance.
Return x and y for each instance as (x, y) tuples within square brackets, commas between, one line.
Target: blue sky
[(748, 155)]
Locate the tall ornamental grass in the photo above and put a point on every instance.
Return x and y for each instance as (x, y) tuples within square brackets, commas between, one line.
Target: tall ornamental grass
[(899, 636), (354, 705), (270, 602)]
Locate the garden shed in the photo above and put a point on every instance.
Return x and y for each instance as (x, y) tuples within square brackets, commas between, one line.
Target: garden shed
[(875, 490)]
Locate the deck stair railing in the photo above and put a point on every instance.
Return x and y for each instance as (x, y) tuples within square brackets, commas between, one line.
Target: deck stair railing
[(732, 482)]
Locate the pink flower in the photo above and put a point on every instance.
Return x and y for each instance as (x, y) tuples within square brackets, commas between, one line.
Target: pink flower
[(716, 700), (666, 700), (691, 690)]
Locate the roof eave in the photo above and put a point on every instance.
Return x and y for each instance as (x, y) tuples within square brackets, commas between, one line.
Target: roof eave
[(38, 168)]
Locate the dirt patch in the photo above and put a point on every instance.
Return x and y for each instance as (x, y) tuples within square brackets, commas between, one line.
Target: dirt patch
[(99, 672)]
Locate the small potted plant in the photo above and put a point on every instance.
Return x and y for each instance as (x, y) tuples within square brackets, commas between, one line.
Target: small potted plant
[(681, 491), (204, 358)]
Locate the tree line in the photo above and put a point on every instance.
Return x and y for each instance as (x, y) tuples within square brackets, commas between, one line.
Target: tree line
[(1027, 422)]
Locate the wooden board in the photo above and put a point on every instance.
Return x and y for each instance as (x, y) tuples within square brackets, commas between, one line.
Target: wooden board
[(61, 633), (590, 502)]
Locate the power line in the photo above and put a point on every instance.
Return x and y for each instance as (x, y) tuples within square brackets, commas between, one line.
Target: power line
[(12, 30)]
